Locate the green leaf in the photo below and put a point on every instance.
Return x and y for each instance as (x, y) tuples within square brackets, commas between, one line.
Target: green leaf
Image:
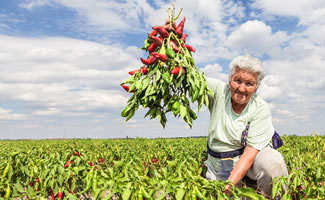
[(145, 82), (132, 87), (160, 195), (206, 100), (275, 189), (131, 113), (19, 188), (126, 193), (180, 192), (70, 196), (250, 193), (183, 111), (158, 75), (129, 80), (147, 43)]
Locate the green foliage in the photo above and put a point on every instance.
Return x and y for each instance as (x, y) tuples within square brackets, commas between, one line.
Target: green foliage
[(305, 159), (143, 169)]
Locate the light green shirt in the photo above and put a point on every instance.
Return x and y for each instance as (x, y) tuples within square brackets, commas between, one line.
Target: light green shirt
[(226, 127)]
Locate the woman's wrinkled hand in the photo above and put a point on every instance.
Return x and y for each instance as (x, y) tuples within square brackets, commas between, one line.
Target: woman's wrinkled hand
[(168, 26), (228, 189)]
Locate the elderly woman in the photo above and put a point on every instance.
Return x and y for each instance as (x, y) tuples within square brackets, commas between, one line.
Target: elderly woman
[(241, 130)]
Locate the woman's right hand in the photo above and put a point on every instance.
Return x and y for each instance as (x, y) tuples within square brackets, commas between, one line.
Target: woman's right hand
[(168, 26)]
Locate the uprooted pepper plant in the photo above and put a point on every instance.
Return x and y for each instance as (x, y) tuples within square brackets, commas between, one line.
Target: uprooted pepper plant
[(168, 81)]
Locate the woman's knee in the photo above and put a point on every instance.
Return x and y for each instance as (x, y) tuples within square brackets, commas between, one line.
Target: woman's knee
[(270, 162)]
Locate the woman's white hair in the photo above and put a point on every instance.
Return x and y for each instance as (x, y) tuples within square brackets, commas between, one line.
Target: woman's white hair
[(249, 63)]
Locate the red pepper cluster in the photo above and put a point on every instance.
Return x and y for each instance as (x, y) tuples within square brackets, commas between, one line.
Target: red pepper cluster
[(164, 43)]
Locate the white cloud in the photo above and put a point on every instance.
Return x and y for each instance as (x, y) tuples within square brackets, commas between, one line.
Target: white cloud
[(233, 11), (255, 37), (289, 7), (30, 4), (7, 114), (64, 77), (214, 71), (270, 88)]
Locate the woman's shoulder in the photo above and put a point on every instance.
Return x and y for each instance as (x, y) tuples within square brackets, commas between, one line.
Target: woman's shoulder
[(260, 106), (215, 84)]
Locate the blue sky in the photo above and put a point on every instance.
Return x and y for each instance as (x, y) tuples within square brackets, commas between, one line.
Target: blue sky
[(61, 62)]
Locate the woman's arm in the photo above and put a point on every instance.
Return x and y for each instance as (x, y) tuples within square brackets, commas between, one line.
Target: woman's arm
[(244, 163), (241, 168)]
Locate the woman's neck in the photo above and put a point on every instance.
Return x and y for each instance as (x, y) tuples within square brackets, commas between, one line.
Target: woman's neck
[(237, 108)]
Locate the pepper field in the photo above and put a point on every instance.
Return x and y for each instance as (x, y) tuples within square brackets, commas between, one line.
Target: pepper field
[(143, 169)]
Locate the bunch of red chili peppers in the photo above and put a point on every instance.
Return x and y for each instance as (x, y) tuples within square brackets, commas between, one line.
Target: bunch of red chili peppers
[(168, 76)]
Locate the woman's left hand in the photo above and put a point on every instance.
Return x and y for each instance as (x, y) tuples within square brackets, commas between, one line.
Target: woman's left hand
[(228, 189)]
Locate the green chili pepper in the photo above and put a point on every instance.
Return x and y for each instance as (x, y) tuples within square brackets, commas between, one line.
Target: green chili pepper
[(89, 180), (145, 193), (170, 52), (176, 107), (125, 111), (166, 78), (5, 172), (199, 194), (139, 195), (195, 94), (95, 182), (193, 194), (8, 192), (192, 114)]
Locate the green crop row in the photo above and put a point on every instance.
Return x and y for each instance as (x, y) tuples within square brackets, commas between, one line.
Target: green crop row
[(142, 169)]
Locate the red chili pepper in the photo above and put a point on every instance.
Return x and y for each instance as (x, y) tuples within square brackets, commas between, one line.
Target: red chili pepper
[(134, 71), (153, 33), (160, 56), (157, 41), (152, 47), (176, 70), (162, 31), (144, 70), (149, 61), (71, 192), (37, 180), (90, 163), (52, 195), (60, 194), (77, 153), (126, 88), (67, 164), (180, 27), (174, 46), (184, 36), (190, 48)]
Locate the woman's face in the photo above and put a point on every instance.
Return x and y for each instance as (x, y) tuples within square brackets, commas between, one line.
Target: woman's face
[(243, 85)]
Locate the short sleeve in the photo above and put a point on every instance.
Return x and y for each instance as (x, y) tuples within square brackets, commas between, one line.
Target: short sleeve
[(261, 129)]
